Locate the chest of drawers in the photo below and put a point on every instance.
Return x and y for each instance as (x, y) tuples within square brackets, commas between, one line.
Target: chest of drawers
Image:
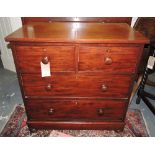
[(92, 65)]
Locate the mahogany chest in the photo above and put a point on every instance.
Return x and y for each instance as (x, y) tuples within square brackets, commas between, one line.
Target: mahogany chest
[(92, 70)]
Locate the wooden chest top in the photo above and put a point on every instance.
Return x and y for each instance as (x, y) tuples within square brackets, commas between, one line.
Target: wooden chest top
[(75, 32)]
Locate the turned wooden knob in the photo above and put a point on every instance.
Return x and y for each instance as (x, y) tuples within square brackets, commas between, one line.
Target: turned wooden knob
[(45, 60), (51, 111), (49, 87), (100, 111), (108, 61), (104, 88)]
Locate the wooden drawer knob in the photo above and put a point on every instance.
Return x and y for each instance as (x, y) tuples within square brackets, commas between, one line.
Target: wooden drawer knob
[(108, 61), (100, 111), (104, 88), (45, 60), (49, 87), (51, 111)]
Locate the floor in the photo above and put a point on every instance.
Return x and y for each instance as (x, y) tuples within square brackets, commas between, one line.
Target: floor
[(10, 96)]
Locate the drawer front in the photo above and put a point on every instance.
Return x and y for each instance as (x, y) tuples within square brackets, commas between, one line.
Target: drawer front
[(77, 85), (108, 59), (61, 58), (76, 110)]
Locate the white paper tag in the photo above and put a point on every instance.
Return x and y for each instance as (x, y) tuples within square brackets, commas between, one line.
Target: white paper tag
[(45, 69), (151, 62)]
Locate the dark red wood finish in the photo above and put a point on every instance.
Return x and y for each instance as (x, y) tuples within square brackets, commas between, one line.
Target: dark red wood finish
[(75, 110), (80, 85), (61, 58), (66, 32), (92, 58), (26, 20), (80, 125), (146, 25), (93, 66)]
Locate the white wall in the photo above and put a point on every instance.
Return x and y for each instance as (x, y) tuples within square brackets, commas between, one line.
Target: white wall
[(133, 21), (7, 26)]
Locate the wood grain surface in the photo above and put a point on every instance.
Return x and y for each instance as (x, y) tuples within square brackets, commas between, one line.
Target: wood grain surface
[(76, 110), (26, 20), (91, 85), (92, 65), (77, 33)]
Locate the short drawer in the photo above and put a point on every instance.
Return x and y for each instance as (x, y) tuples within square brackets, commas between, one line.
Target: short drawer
[(82, 110), (108, 59), (61, 58), (113, 86)]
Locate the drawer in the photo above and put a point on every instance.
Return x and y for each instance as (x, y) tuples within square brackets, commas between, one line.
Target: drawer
[(79, 85), (108, 59), (61, 58), (76, 110)]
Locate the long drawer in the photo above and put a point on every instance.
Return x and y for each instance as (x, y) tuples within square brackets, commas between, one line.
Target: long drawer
[(101, 110), (108, 59), (61, 58), (80, 85)]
